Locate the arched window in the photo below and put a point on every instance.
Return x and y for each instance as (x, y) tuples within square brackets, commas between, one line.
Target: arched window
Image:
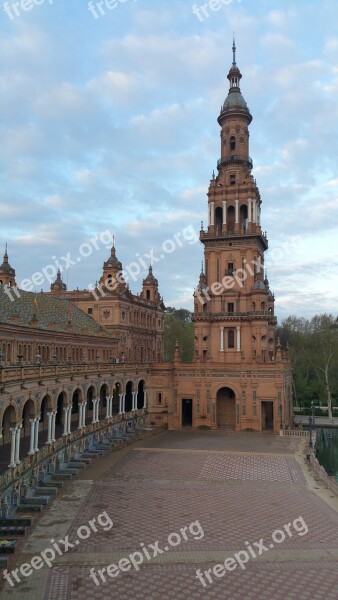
[(231, 338), (148, 294), (232, 143)]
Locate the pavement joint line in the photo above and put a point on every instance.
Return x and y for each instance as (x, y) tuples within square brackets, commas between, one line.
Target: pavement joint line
[(200, 451)]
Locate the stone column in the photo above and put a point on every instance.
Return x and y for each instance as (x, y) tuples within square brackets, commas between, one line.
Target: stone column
[(212, 213), (222, 339), (31, 449), (254, 211), (238, 339), (53, 426), (121, 404), (249, 210), (17, 445), (49, 439), (69, 419), (97, 411), (94, 411), (36, 440), (65, 420), (237, 211), (107, 406), (124, 403), (224, 204), (13, 440), (80, 416), (258, 214)]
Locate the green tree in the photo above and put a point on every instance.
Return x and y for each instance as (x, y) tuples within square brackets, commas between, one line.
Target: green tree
[(178, 326)]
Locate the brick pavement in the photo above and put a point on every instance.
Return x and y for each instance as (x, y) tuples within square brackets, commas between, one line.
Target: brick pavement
[(240, 488)]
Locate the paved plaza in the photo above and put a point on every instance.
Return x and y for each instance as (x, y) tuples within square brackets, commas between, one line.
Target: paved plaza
[(225, 491)]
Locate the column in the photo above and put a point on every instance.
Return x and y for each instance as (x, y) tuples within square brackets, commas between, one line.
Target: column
[(97, 410), (84, 414), (36, 440), (238, 339), (80, 416), (94, 411), (212, 213), (145, 399), (209, 214), (121, 404), (111, 406), (31, 449), (53, 426), (258, 214), (237, 211), (13, 439), (124, 403), (17, 445), (224, 204), (49, 439), (65, 420), (249, 210), (254, 210), (69, 416), (222, 339), (107, 406)]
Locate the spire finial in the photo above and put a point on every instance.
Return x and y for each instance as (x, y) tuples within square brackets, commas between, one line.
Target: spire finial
[(234, 50)]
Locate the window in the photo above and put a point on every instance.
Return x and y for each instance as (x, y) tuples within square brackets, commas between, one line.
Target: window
[(231, 338), (232, 143), (232, 179), (230, 307), (230, 269), (90, 311), (148, 294), (159, 397)]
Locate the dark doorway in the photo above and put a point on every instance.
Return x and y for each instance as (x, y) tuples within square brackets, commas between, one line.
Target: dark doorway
[(226, 408), (267, 415), (186, 413)]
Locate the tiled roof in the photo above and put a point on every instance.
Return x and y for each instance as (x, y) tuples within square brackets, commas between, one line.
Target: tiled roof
[(51, 314)]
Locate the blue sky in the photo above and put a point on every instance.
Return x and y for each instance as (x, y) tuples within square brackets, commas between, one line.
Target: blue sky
[(110, 123)]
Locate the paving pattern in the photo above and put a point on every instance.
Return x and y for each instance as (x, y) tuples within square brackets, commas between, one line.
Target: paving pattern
[(202, 497)]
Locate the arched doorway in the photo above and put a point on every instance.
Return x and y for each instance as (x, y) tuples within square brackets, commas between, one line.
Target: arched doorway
[(140, 395), (129, 397), (226, 408)]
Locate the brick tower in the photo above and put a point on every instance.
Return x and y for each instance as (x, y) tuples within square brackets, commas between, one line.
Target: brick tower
[(239, 378)]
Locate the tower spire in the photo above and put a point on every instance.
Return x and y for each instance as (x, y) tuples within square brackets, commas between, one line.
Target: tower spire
[(234, 51)]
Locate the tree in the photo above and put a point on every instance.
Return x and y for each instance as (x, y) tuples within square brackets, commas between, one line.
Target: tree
[(178, 326)]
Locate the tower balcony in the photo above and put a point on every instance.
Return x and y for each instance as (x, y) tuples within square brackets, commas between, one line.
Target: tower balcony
[(235, 159)]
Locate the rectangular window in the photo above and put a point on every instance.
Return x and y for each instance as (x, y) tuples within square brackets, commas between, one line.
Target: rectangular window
[(230, 269), (232, 179), (159, 397), (90, 311), (230, 307)]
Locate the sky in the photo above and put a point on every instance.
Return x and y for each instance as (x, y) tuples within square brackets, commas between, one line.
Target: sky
[(109, 128)]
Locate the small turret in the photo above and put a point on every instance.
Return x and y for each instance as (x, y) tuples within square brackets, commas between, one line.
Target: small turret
[(7, 273)]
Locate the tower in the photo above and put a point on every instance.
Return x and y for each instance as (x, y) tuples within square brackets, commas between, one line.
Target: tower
[(7, 273), (233, 306), (239, 377)]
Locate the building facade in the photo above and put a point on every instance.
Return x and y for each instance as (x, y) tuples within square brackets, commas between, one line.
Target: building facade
[(69, 359)]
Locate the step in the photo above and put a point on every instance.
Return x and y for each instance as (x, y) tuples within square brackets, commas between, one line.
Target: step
[(76, 465), (3, 562), (29, 508), (16, 521), (67, 471), (57, 483), (35, 500), (61, 476), (46, 490), (11, 531), (7, 546)]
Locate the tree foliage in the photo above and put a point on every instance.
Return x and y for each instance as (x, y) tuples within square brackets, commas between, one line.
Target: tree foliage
[(314, 355), (178, 326)]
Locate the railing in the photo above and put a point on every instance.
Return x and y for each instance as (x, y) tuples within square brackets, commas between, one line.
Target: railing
[(238, 314), (18, 373), (236, 158)]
